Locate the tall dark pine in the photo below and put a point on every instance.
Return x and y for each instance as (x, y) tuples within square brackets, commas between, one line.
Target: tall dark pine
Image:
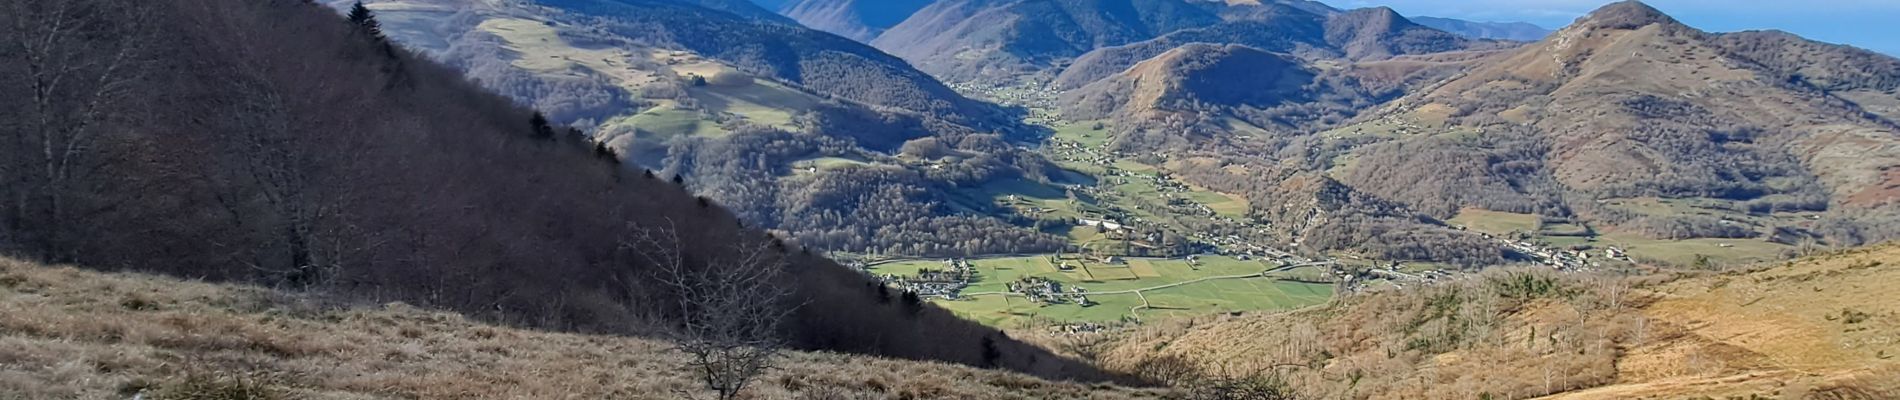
[(541, 128), (366, 21)]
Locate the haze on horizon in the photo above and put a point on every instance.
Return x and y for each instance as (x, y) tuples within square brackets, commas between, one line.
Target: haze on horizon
[(1862, 23)]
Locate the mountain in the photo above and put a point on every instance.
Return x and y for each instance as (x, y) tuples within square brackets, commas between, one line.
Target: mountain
[(1654, 107), (860, 20), (1380, 32), (1519, 31), (970, 40), (643, 52), (1363, 34), (1628, 107), (276, 143), (1270, 27), (1194, 75)]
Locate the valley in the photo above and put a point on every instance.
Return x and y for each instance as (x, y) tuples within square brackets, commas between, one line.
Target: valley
[(936, 199), (1128, 145)]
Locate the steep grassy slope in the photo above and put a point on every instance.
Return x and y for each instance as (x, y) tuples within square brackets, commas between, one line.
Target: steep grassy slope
[(69, 333), (1820, 327)]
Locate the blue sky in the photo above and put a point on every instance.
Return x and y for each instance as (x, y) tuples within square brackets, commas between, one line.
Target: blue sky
[(1870, 24)]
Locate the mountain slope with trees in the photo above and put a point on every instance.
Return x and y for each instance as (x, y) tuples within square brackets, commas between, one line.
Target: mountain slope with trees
[(971, 40), (1357, 35), (297, 149), (1636, 104), (860, 20)]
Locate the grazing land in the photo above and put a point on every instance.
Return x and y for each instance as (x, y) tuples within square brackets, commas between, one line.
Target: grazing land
[(1130, 289)]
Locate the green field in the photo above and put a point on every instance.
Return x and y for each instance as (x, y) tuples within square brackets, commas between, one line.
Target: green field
[(1084, 133), (1199, 298), (1495, 222), (1684, 252)]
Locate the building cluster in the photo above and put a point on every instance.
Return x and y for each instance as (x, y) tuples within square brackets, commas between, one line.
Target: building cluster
[(946, 283), (1048, 291)]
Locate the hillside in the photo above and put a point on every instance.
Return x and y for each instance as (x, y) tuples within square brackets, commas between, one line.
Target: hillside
[(70, 333), (1634, 104), (1341, 36), (691, 99), (295, 149), (998, 40), (742, 8), (571, 54), (1195, 74), (860, 20), (1819, 327)]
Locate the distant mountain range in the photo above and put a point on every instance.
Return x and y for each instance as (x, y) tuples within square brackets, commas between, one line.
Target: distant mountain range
[(1519, 31), (975, 40), (1787, 137)]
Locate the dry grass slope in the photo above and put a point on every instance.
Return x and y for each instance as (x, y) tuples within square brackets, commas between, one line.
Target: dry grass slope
[(1824, 327), (66, 333)]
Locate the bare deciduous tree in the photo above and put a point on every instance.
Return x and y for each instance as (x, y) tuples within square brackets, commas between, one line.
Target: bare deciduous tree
[(730, 306), (77, 61)]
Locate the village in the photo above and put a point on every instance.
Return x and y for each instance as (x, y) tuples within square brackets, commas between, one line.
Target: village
[(946, 283)]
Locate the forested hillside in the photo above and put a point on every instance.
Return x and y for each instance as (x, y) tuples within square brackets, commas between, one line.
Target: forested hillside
[(741, 126), (276, 142), (860, 20), (1632, 103), (972, 40)]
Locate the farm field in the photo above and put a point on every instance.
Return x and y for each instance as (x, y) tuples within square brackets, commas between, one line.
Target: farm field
[(1494, 222), (983, 303), (1684, 252)]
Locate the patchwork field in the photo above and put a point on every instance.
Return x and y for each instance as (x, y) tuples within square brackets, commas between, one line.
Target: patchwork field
[(1207, 288)]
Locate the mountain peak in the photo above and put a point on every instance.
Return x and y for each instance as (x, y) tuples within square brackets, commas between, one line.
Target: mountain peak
[(1628, 14)]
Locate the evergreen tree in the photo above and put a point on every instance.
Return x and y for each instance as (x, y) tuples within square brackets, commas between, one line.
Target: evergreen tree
[(366, 21), (605, 153), (540, 124)]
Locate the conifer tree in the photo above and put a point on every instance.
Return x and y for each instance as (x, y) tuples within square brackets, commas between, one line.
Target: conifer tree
[(541, 128), (366, 21)]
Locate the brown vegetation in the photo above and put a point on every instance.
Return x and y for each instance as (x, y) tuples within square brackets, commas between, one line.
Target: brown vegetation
[(1820, 327), (69, 333)]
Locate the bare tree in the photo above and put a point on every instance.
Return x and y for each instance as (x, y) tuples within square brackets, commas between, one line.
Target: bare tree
[(76, 62), (729, 307)]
